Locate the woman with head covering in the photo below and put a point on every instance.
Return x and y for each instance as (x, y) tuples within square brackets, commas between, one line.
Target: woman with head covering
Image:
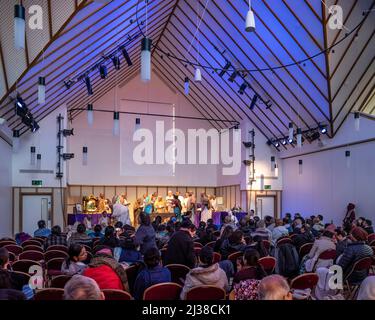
[(349, 217)]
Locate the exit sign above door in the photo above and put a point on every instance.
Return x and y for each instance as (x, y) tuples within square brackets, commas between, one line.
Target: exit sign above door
[(267, 187), (36, 183)]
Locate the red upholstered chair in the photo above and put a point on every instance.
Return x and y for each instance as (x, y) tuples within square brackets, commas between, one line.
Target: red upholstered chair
[(372, 243), (41, 240), (327, 255), (197, 252), (233, 257), (12, 257), (132, 273), (111, 294), (217, 257), (267, 244), (53, 254), (206, 293), (371, 237), (24, 276), (363, 264), (60, 281), (211, 244), (53, 267), (198, 245), (58, 247), (292, 236), (15, 249), (49, 294), (178, 272), (304, 281), (33, 248), (4, 243), (163, 291), (31, 255), (283, 240), (305, 249), (24, 265), (31, 242), (268, 264)]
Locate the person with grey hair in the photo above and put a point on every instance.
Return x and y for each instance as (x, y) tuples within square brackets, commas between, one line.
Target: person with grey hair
[(82, 288), (274, 287), (262, 231)]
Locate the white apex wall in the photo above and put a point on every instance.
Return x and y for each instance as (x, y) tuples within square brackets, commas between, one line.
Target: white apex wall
[(326, 185)]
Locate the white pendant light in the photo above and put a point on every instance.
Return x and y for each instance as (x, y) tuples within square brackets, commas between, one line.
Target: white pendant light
[(19, 26), (90, 114), (250, 20), (38, 161), (299, 137), (42, 90), (137, 124), (186, 86), (32, 156), (276, 170), (347, 156), (272, 164), (356, 121), (84, 156), (16, 140), (291, 133), (146, 59), (197, 75), (116, 124)]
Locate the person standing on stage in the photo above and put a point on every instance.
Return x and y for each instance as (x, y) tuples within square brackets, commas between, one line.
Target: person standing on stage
[(206, 213), (213, 204), (169, 201), (159, 205), (184, 203), (177, 208), (121, 211), (147, 204)]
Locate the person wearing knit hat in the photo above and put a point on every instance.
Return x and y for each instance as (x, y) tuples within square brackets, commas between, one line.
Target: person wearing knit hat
[(355, 251), (367, 289)]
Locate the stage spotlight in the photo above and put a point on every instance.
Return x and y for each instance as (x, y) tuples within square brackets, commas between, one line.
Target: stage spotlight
[(233, 76), (34, 126), (103, 71), (314, 136), (21, 108), (242, 88), (276, 143), (126, 56), (253, 102), (67, 132), (88, 86), (225, 69), (284, 141), (116, 62), (67, 156), (322, 129)]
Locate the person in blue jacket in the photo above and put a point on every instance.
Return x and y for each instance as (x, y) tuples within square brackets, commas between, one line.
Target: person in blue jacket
[(154, 273)]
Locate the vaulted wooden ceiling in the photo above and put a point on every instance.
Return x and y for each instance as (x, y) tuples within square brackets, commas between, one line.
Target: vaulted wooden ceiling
[(323, 90)]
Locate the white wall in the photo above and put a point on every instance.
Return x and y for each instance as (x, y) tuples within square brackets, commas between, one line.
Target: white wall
[(326, 185), (110, 159), (5, 188)]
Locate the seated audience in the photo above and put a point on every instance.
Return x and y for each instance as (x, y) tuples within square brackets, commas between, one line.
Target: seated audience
[(262, 231), (74, 264), (249, 267), (210, 224), (181, 246), (269, 222), (106, 271), (156, 222), (367, 226), (11, 295), (110, 238), (97, 232), (274, 287), (80, 236), (129, 253), (324, 243), (82, 288), (279, 230), (287, 225), (145, 234), (367, 289), (318, 225), (323, 289), (342, 241), (303, 236), (206, 274), (258, 245), (244, 227), (233, 244), (55, 238), (228, 221), (206, 236), (154, 273), (355, 251), (42, 231), (162, 236), (225, 234)]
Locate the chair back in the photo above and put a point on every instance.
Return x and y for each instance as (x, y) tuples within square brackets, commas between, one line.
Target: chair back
[(268, 264), (15, 249), (49, 294), (198, 245), (33, 248), (284, 240), (363, 264), (12, 256), (58, 247), (53, 267), (114, 295), (23, 277), (267, 244), (163, 291), (24, 265), (60, 281), (371, 237), (234, 256), (178, 272), (304, 281), (206, 293), (305, 249), (31, 242), (41, 240), (31, 255), (211, 244), (53, 254), (217, 257), (132, 273), (292, 236), (6, 242), (328, 255)]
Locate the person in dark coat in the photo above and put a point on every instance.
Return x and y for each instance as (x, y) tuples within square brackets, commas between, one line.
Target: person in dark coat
[(154, 273), (181, 246), (145, 236), (303, 236), (349, 217), (353, 252), (233, 244)]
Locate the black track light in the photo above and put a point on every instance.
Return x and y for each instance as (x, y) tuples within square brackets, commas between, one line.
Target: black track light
[(116, 62), (253, 102), (103, 71), (225, 69), (242, 88), (126, 56), (88, 85)]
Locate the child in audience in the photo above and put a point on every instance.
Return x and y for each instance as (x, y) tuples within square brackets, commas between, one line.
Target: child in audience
[(74, 263), (248, 267), (97, 232)]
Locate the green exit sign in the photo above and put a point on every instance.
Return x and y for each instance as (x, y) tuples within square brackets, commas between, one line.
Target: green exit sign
[(267, 187), (37, 183)]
